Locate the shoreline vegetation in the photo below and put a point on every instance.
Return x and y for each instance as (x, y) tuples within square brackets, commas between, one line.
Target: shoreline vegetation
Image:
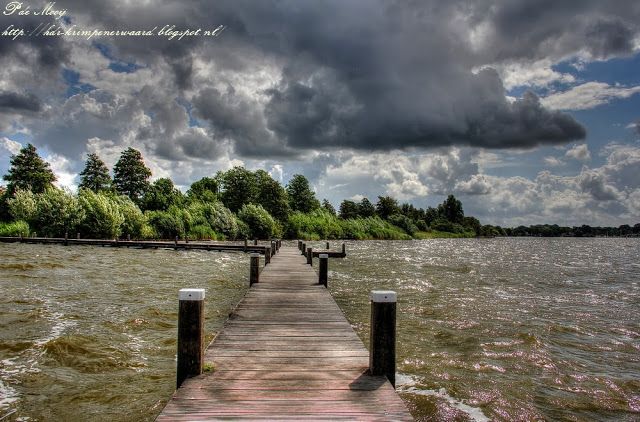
[(231, 205)]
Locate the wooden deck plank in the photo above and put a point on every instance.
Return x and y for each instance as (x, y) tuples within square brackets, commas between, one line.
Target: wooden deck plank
[(286, 353)]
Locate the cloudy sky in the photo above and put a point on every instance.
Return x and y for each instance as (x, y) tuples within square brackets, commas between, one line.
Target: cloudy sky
[(528, 111)]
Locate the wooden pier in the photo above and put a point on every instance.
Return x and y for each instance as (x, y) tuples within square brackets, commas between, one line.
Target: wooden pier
[(286, 353)]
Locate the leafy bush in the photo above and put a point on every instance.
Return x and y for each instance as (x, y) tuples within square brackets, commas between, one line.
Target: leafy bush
[(261, 224), (216, 216), (318, 224), (102, 215), (443, 225), (52, 212), (23, 205), (166, 225), (404, 223), (15, 228), (372, 228), (134, 223)]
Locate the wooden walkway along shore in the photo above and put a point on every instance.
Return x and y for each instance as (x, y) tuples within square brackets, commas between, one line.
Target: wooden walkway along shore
[(286, 353)]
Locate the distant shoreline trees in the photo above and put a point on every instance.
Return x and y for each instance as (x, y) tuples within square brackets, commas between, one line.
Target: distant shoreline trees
[(233, 204)]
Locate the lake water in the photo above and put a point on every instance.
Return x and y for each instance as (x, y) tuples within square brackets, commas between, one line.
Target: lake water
[(488, 329)]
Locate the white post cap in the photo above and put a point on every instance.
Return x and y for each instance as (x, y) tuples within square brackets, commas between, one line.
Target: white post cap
[(191, 294), (382, 296), (323, 256), (254, 255)]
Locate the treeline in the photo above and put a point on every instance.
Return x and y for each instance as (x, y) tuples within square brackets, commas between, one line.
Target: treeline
[(553, 230), (233, 204)]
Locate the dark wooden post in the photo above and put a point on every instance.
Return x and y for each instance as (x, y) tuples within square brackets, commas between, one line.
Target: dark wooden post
[(273, 248), (66, 238), (382, 353), (299, 245), (310, 256), (344, 249), (190, 334), (176, 243), (254, 269), (246, 243), (323, 268), (327, 245), (255, 242), (303, 251), (267, 255)]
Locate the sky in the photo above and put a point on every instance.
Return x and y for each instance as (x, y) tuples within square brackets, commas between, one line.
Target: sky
[(527, 111)]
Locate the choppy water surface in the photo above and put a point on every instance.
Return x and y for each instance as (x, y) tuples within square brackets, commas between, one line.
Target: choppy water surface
[(507, 329), (488, 329)]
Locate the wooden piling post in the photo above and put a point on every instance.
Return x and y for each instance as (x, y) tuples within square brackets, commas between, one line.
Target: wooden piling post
[(382, 350), (267, 255), (176, 244), (344, 249), (299, 245), (254, 269), (255, 242), (323, 269), (246, 243), (327, 245), (310, 256), (303, 251), (190, 334)]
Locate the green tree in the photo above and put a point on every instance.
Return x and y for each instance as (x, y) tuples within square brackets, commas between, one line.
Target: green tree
[(301, 197), (386, 207), (160, 195), (366, 208), (131, 175), (205, 190), (472, 223), (95, 175), (29, 172), (326, 205), (349, 209), (239, 187), (272, 196), (451, 209)]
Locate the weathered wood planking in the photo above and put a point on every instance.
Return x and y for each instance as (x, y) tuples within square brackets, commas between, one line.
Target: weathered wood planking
[(286, 353)]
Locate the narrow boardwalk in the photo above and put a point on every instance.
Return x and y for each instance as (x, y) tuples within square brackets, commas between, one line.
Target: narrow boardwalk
[(286, 353)]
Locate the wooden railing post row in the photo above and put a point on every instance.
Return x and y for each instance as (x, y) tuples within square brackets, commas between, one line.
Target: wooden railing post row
[(267, 255), (254, 269), (323, 269), (310, 255), (190, 334), (382, 350)]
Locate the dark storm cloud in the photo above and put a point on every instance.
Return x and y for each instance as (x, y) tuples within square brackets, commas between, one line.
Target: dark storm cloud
[(14, 102), (47, 53), (549, 28), (364, 74)]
